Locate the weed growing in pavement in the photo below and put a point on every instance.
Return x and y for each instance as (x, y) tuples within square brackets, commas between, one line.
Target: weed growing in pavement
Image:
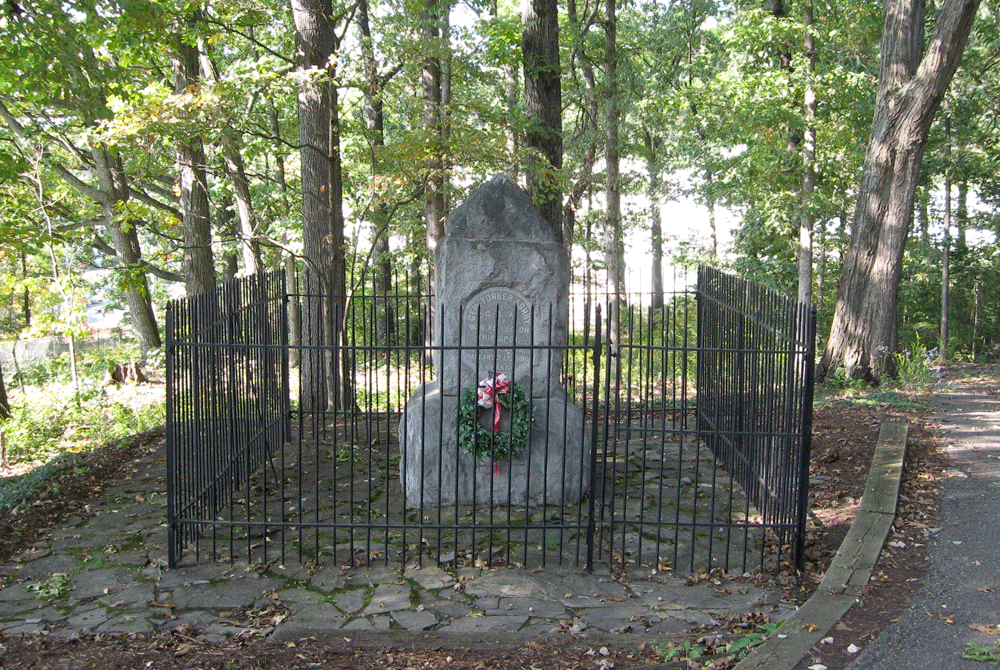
[(977, 652), (56, 586)]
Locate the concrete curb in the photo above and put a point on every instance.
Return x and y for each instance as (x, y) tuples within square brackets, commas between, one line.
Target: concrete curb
[(850, 569)]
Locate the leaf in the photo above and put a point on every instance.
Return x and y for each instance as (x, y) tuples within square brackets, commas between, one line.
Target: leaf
[(811, 627), (985, 628)]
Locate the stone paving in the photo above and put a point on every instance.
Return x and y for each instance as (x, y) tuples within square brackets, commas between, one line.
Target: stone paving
[(106, 572)]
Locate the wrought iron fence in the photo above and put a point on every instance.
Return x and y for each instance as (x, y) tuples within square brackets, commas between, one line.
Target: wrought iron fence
[(755, 382), (227, 400), (641, 463)]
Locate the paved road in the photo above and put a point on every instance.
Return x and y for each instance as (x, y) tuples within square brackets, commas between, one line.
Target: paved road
[(963, 580)]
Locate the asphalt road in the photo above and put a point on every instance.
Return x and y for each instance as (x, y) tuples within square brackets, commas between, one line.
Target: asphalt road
[(963, 580)]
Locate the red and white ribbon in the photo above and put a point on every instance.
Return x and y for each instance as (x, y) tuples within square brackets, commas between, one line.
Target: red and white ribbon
[(490, 388)]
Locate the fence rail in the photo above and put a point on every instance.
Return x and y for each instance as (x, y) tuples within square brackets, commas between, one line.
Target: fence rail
[(691, 447)]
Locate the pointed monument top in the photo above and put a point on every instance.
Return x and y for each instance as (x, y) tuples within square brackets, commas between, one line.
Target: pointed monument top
[(499, 210)]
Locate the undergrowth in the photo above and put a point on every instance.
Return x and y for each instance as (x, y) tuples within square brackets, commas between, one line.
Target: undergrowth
[(53, 419)]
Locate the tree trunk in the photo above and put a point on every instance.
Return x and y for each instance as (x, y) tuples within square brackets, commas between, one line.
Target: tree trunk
[(4, 401), (589, 128), (249, 222), (198, 263), (808, 219), (375, 122), (433, 92), (294, 321), (946, 252), (962, 215), (225, 226), (864, 331), (614, 251), (655, 223), (323, 248), (26, 296), (125, 239), (543, 107)]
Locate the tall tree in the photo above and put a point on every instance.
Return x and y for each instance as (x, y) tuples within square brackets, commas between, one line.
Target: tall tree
[(199, 266), (912, 84), (543, 107), (316, 47), (436, 91), (807, 220), (614, 251)]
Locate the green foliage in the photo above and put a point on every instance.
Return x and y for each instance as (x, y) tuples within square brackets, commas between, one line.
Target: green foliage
[(55, 587), (716, 647), (501, 445), (977, 652), (47, 423), (738, 649)]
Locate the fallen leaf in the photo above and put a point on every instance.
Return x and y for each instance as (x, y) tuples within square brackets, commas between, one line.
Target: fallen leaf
[(983, 628), (986, 589), (811, 627)]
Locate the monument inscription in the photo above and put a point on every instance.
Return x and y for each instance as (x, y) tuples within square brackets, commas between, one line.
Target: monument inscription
[(499, 322)]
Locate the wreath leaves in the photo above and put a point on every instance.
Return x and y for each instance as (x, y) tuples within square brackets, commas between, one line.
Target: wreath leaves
[(482, 442)]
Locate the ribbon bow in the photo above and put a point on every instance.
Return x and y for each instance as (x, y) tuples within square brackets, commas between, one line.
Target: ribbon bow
[(490, 388)]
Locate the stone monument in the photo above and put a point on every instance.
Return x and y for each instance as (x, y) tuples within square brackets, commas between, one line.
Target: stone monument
[(501, 308)]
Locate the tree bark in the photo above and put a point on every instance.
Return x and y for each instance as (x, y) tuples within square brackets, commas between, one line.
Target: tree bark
[(946, 252), (375, 123), (125, 239), (322, 224), (198, 262), (543, 107), (808, 218), (614, 252), (4, 401), (433, 84), (589, 125), (655, 222), (864, 331)]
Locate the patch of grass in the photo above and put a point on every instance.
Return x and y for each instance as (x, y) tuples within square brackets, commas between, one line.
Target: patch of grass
[(15, 490)]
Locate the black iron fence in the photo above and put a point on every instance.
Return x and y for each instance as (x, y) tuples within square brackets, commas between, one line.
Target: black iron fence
[(755, 365), (673, 436), (227, 400)]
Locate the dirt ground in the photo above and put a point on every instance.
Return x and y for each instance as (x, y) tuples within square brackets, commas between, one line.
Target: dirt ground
[(843, 440)]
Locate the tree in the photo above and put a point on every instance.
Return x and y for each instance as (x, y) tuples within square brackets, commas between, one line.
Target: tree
[(912, 85), (316, 46), (543, 107), (4, 402), (436, 82), (199, 268), (808, 218)]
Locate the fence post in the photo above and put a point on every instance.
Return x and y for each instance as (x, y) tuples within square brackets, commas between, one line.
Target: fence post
[(809, 348), (172, 537), (591, 516)]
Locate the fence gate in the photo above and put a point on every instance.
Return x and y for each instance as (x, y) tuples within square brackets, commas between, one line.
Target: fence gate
[(692, 450)]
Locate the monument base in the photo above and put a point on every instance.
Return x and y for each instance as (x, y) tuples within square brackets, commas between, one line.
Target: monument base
[(436, 470)]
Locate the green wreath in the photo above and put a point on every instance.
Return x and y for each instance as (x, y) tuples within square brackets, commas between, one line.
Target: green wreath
[(501, 445)]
